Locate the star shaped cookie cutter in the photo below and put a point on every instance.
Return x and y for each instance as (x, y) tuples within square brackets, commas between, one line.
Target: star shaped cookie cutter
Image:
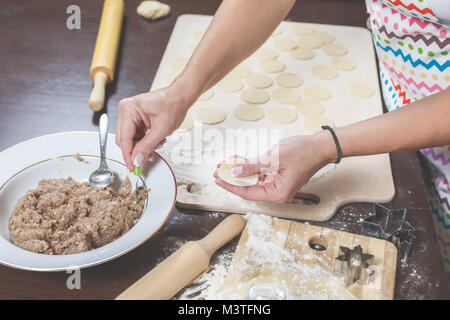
[(392, 226), (353, 265)]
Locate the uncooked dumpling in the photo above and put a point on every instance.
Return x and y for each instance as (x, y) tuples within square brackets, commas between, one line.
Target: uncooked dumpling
[(256, 96), (282, 115), (324, 72), (272, 66), (259, 81), (225, 174), (289, 80), (361, 89), (316, 93), (211, 115), (248, 112), (153, 10), (286, 96)]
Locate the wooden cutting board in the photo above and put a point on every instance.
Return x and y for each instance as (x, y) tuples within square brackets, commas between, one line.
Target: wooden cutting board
[(355, 179), (295, 236)]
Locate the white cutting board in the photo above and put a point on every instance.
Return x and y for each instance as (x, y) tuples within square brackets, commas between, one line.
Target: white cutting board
[(366, 178)]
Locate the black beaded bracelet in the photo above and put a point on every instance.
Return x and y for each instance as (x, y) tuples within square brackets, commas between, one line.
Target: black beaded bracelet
[(336, 141)]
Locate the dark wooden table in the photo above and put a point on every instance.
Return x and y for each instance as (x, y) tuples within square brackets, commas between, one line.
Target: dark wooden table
[(44, 88)]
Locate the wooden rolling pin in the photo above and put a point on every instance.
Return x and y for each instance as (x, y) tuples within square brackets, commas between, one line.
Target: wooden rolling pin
[(184, 265), (105, 53)]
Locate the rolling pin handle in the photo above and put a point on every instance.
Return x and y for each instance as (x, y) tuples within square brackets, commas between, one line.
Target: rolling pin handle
[(97, 98)]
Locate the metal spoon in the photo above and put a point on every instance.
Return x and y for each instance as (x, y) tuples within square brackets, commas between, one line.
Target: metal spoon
[(102, 177)]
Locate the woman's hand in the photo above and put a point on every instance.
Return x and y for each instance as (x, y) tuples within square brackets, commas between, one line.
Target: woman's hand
[(298, 159), (149, 117)]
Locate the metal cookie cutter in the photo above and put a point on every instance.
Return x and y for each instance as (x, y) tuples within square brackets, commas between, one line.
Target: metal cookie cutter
[(354, 265), (390, 225)]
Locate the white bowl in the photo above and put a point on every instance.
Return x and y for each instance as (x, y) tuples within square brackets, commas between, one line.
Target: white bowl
[(53, 156)]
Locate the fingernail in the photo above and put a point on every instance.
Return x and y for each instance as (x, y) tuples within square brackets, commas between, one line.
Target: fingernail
[(237, 171), (139, 160)]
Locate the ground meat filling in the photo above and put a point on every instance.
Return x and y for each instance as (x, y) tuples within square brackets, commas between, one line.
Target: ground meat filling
[(62, 216)]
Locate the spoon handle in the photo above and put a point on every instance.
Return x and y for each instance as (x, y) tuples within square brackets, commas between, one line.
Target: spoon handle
[(103, 135)]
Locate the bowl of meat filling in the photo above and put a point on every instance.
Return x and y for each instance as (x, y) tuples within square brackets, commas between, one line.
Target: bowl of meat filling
[(51, 219)]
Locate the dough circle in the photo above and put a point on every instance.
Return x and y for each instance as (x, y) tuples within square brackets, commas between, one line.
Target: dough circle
[(211, 115), (259, 81), (265, 53), (315, 123), (272, 66), (289, 80), (324, 72), (282, 115), (241, 71), (361, 89), (230, 84), (342, 63), (277, 32), (248, 112), (302, 29), (206, 95), (325, 36), (187, 124), (179, 64), (225, 174), (316, 93), (255, 96), (286, 96), (285, 43), (310, 42), (334, 49), (310, 108), (302, 54)]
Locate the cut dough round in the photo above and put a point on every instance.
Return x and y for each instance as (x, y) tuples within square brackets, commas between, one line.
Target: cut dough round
[(325, 36), (361, 89), (277, 32), (289, 80), (334, 49), (206, 95), (187, 124), (241, 71), (302, 54), (316, 93), (248, 112), (255, 96), (310, 42), (211, 115), (225, 174), (282, 115), (342, 63), (265, 54), (285, 43), (230, 84), (315, 123), (302, 29), (259, 80), (310, 108), (272, 66), (286, 96), (324, 72)]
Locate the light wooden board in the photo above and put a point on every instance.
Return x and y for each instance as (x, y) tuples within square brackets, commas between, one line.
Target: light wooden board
[(295, 236), (354, 179)]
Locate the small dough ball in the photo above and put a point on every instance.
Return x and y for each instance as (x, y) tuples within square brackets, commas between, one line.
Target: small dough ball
[(187, 124), (302, 29), (316, 93), (230, 84), (286, 96), (259, 81), (285, 43), (324, 36), (255, 96), (302, 54), (310, 42), (324, 72), (282, 115), (241, 71), (342, 63), (153, 10), (310, 108), (289, 80), (248, 112), (265, 53), (315, 123), (179, 64), (211, 115), (272, 66), (206, 95), (277, 32), (361, 89), (334, 49), (225, 174)]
